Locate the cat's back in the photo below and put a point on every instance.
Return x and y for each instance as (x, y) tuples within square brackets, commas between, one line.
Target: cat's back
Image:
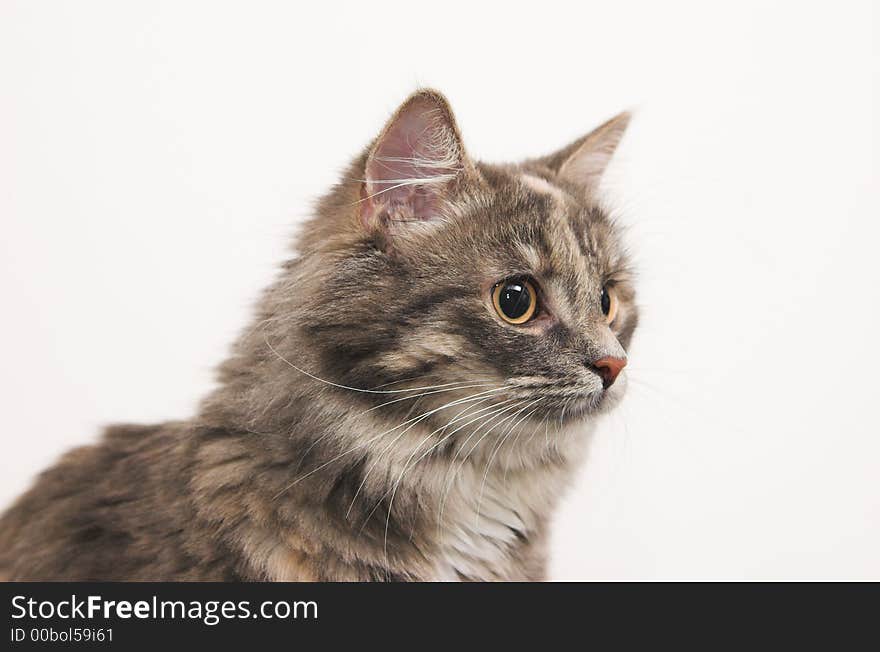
[(113, 510)]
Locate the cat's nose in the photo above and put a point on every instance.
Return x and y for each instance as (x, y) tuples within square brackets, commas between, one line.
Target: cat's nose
[(608, 368)]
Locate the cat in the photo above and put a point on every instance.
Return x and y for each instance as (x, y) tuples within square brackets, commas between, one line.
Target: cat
[(417, 389)]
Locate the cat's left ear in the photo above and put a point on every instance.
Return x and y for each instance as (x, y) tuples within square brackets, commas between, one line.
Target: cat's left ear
[(413, 165), (584, 161)]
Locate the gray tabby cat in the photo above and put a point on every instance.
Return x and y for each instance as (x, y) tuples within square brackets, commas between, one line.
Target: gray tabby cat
[(417, 389)]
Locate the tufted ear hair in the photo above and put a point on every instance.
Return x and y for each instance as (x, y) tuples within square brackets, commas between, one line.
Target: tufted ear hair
[(412, 164), (583, 162)]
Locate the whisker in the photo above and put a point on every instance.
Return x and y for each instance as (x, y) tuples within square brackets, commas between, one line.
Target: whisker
[(353, 389), (495, 452), (395, 440), (450, 474), (435, 391), (381, 434), (416, 396), (516, 439), (391, 504), (495, 408), (406, 380)]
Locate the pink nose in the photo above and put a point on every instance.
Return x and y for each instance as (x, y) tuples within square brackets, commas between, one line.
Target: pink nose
[(608, 369)]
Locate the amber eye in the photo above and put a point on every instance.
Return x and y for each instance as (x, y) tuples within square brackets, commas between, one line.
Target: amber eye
[(609, 304), (515, 300)]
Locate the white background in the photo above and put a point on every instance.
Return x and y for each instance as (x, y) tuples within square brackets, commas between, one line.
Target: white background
[(155, 156)]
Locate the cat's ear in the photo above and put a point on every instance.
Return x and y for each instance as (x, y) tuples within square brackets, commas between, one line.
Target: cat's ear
[(583, 162), (412, 165)]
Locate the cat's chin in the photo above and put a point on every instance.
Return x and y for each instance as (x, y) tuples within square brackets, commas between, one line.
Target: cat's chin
[(593, 404), (585, 409)]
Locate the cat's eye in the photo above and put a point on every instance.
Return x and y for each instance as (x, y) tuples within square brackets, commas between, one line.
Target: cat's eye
[(609, 304), (515, 300)]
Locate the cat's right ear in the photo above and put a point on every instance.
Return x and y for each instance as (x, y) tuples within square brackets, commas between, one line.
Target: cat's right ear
[(412, 165)]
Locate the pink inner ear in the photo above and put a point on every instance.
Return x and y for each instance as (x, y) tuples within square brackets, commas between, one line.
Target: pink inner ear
[(411, 164), (405, 204)]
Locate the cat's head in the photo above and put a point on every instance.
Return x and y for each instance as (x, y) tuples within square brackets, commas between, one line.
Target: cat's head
[(425, 268)]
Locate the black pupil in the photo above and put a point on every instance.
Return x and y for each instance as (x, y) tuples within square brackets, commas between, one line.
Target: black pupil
[(606, 301), (514, 300)]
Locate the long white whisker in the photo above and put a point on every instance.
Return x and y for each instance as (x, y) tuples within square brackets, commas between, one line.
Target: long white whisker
[(496, 408), (381, 434), (477, 379), (451, 472), (409, 464), (391, 444), (528, 441), (415, 396), (391, 502), (353, 389), (435, 391), (495, 452)]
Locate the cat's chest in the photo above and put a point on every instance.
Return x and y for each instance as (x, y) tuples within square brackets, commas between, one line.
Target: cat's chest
[(479, 544), (489, 523), (492, 527)]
